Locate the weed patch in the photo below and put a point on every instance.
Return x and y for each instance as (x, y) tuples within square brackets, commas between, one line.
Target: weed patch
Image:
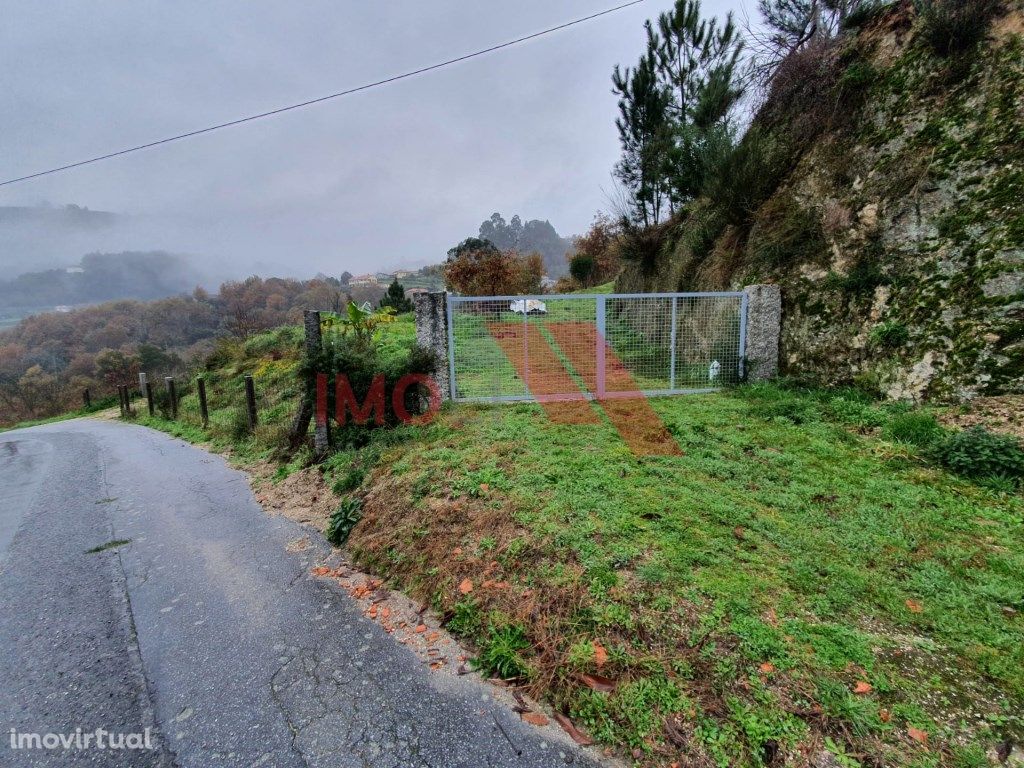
[(342, 522)]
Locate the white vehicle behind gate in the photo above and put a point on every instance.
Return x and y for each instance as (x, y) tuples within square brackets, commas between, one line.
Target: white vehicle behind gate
[(528, 306)]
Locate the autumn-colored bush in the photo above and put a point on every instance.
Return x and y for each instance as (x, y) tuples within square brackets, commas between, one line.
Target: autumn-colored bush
[(596, 256), (483, 270)]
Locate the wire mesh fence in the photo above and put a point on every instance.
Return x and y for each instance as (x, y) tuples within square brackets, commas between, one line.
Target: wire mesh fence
[(566, 347)]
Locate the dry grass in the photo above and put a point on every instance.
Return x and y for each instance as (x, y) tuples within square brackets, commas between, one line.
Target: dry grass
[(1004, 414)]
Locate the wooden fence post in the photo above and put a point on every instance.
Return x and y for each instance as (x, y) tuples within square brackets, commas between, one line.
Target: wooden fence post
[(120, 400), (250, 402), (86, 398), (300, 424), (128, 400), (203, 410), (172, 395), (149, 398)]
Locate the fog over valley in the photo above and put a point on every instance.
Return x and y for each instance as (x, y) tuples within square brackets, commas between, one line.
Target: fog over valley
[(384, 179)]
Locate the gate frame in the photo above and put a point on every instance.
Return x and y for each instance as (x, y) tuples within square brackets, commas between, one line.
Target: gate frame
[(600, 301)]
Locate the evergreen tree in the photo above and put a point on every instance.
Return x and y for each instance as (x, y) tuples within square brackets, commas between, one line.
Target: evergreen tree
[(698, 61), (795, 24), (395, 298), (674, 108), (645, 134)]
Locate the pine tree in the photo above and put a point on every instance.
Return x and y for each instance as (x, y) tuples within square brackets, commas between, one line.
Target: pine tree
[(395, 298), (698, 60), (796, 24), (674, 108), (645, 135)]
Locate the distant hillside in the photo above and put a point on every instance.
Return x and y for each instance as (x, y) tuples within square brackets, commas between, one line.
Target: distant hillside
[(102, 277), (882, 187), (47, 359), (64, 216)]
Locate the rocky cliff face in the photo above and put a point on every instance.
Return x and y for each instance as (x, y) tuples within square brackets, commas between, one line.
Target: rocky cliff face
[(897, 234)]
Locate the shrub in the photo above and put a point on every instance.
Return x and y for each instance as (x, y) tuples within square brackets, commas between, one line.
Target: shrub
[(953, 26), (361, 358), (891, 334), (787, 233), (162, 399), (477, 268), (979, 454), (864, 14), (601, 245), (914, 427), (344, 519), (239, 429), (745, 176), (642, 245), (396, 299), (868, 383), (582, 268)]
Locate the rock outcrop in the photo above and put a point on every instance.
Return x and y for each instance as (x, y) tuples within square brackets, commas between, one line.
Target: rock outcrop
[(897, 232)]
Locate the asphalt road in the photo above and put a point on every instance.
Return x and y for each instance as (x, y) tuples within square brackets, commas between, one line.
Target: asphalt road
[(204, 628)]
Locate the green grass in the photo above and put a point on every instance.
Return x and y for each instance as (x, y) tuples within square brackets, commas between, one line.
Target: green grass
[(781, 536), (483, 369), (608, 287)]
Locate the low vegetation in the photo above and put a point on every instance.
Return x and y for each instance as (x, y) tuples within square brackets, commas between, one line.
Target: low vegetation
[(799, 579)]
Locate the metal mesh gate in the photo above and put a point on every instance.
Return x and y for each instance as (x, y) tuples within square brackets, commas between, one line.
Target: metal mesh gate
[(568, 346)]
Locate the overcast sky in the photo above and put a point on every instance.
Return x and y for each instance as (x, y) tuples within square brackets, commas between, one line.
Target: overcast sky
[(381, 179)]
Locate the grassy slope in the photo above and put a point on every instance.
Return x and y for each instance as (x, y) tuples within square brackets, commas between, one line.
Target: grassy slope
[(272, 359), (831, 557), (740, 591)]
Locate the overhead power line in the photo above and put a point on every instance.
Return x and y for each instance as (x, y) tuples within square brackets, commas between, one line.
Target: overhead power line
[(339, 94)]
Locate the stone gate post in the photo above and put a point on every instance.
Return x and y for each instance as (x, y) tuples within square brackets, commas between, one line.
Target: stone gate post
[(432, 333), (764, 331)]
